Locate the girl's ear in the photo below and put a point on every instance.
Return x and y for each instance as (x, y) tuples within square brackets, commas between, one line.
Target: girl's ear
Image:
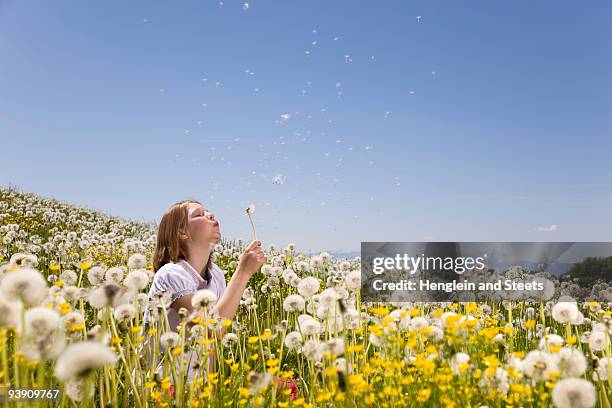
[(183, 234)]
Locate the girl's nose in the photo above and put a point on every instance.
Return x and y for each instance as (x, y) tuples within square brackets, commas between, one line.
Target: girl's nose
[(210, 215)]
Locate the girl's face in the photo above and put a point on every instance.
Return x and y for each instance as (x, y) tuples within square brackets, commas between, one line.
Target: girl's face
[(203, 228)]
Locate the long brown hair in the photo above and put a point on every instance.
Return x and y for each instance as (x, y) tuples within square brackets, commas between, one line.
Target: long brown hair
[(170, 248)]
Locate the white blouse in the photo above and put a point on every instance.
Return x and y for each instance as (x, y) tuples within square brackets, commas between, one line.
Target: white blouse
[(180, 279)]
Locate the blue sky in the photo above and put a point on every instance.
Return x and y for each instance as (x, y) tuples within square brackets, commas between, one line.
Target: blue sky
[(481, 121)]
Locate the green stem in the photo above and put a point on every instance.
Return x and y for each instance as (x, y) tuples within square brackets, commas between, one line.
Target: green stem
[(252, 226)]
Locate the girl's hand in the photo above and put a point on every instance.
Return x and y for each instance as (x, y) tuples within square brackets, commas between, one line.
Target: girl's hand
[(252, 258)]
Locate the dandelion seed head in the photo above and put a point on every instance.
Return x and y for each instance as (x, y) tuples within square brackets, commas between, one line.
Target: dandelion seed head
[(574, 393), (293, 303), (95, 275), (250, 209), (137, 261), (308, 286), (124, 312), (137, 279), (79, 359), (203, 298), (24, 284), (169, 340), (565, 312), (114, 274)]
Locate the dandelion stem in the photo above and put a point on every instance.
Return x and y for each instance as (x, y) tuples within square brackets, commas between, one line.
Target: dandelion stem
[(252, 226)]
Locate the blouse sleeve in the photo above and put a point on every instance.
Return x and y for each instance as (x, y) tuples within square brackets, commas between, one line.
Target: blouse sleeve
[(172, 279)]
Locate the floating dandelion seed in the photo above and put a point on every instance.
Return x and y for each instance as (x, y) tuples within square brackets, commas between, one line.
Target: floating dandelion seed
[(307, 53), (348, 59), (314, 43), (336, 38), (246, 6), (419, 19), (387, 114), (249, 212), (278, 179), (284, 118), (411, 92)]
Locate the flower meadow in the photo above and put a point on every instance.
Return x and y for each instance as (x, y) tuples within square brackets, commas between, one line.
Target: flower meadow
[(73, 292)]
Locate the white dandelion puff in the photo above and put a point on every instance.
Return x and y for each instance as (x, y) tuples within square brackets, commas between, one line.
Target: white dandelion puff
[(137, 261), (310, 327), (96, 275), (308, 286), (40, 322), (335, 346), (353, 280), (551, 340), (229, 339), (27, 260), (44, 336), (75, 389), (293, 303), (124, 312), (598, 340), (204, 298), (9, 312), (169, 340), (571, 362), (313, 350), (328, 297), (604, 364), (79, 359), (137, 279), (25, 284), (565, 312), (69, 277), (574, 393), (293, 340), (105, 295), (539, 365)]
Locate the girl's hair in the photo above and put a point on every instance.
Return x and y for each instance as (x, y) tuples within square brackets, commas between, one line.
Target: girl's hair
[(170, 248)]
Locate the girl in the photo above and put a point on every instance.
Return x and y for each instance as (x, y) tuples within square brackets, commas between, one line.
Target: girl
[(187, 233)]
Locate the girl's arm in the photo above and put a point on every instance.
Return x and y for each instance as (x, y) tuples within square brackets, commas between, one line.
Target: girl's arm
[(250, 261)]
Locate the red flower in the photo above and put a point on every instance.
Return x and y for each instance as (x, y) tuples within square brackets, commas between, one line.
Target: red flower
[(287, 383)]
